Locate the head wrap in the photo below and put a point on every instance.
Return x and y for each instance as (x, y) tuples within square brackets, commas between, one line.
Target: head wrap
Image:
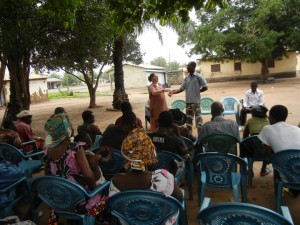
[(58, 126), (259, 111), (139, 150)]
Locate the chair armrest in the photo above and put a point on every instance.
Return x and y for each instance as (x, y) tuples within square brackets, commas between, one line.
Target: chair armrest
[(205, 203), (13, 185), (98, 189), (286, 214), (33, 154), (30, 143)]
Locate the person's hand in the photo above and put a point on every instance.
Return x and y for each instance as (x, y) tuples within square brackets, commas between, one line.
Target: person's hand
[(170, 93), (167, 89)]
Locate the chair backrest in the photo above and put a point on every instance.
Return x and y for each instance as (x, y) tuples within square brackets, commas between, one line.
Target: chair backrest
[(253, 144), (59, 193), (115, 165), (188, 142), (231, 105), (164, 160), (178, 104), (219, 142), (240, 213), (10, 153), (287, 163), (218, 167), (205, 105), (143, 207)]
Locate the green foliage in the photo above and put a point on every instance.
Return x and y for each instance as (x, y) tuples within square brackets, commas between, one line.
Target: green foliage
[(248, 30), (173, 65), (66, 94), (69, 80), (159, 61)]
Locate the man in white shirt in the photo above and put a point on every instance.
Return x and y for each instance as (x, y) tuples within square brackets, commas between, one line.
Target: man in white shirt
[(279, 135), (253, 97)]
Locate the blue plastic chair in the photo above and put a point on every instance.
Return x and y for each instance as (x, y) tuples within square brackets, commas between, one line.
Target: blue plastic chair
[(205, 105), (238, 213), (21, 190), (218, 171), (253, 144), (17, 157), (219, 142), (178, 104), (145, 207), (115, 165), (63, 196), (231, 107), (286, 164)]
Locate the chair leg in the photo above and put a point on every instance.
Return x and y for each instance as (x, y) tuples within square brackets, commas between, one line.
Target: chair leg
[(250, 171), (278, 195)]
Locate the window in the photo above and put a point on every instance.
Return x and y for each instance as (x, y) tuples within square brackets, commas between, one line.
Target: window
[(215, 68), (237, 66), (271, 63)]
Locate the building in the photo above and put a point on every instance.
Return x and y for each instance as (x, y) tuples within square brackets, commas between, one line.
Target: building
[(136, 76), (38, 89), (233, 70), (53, 83)]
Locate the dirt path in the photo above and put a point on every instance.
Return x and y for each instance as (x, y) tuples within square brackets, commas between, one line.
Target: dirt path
[(281, 91)]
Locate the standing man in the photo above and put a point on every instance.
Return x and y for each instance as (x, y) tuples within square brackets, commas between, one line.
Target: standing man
[(192, 84), (253, 97)]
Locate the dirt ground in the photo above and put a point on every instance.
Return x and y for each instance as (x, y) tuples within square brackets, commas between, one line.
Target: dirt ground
[(284, 91)]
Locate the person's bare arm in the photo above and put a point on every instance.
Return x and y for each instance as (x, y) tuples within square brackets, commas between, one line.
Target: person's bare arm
[(85, 168), (177, 193), (246, 132), (203, 89), (268, 150)]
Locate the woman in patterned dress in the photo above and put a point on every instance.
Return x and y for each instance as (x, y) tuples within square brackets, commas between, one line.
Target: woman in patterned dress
[(158, 101)]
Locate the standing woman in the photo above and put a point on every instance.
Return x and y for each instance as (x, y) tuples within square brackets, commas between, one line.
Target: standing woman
[(158, 101)]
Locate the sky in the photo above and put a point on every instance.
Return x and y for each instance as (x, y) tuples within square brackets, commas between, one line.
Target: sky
[(153, 48)]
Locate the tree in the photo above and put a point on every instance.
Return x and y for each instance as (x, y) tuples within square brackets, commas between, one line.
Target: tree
[(173, 65), (21, 23), (131, 16), (248, 30), (159, 61)]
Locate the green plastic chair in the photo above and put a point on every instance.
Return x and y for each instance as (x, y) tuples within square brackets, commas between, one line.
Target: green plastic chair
[(178, 104), (205, 105)]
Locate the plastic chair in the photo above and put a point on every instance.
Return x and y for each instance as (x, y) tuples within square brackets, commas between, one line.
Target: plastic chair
[(63, 196), (253, 144), (219, 142), (115, 165), (17, 157), (178, 104), (230, 213), (286, 164), (218, 170), (231, 107), (145, 207), (21, 190), (205, 105), (164, 161)]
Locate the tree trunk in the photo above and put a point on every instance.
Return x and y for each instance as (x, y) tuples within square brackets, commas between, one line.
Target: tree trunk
[(92, 92), (264, 70), (19, 67), (119, 93), (2, 75)]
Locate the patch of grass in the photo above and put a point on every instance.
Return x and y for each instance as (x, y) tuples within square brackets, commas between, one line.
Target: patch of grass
[(70, 94)]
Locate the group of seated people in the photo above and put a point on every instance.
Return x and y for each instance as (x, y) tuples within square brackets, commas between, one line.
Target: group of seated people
[(74, 160)]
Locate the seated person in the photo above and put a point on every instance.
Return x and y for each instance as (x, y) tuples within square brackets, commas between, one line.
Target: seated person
[(25, 132), (219, 124), (147, 111), (139, 151), (167, 136), (90, 127), (9, 134), (180, 120), (279, 136), (65, 159), (125, 106), (253, 97), (114, 135), (253, 127)]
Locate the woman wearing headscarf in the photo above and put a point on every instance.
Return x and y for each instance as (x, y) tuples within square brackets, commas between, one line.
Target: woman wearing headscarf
[(139, 152), (158, 101), (69, 160)]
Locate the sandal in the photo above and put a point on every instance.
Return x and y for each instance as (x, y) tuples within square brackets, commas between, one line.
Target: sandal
[(265, 172)]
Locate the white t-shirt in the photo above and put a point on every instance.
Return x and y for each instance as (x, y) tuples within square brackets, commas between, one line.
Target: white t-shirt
[(280, 136)]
